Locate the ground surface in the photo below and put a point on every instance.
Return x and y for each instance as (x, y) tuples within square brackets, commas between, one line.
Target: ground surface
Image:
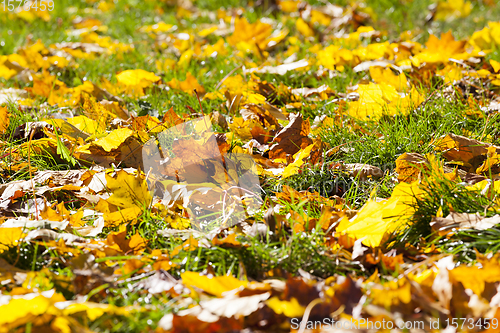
[(364, 137)]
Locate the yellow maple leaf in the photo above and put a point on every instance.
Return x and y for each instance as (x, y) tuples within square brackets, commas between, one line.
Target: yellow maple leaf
[(113, 219), (96, 111), (386, 75), (19, 311), (441, 50), (377, 219), (127, 190), (250, 33), (495, 64), (474, 277), (114, 139), (118, 242), (291, 308), (375, 100), (304, 28), (9, 237), (334, 57), (452, 9), (190, 244), (292, 168), (94, 310), (392, 293), (288, 6), (450, 73), (86, 125), (216, 285), (137, 78), (188, 85), (6, 72), (487, 38), (492, 158), (50, 87)]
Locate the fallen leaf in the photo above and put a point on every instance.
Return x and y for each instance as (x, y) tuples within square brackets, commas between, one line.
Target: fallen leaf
[(291, 308), (137, 78), (189, 85), (461, 221), (9, 237), (4, 122), (292, 138), (215, 285), (280, 70), (377, 219)]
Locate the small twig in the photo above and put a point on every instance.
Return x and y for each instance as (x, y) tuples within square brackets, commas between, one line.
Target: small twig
[(31, 174), (307, 313), (199, 101), (227, 75)]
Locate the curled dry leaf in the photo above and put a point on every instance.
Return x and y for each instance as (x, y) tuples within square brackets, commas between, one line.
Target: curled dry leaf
[(460, 221), (11, 95), (280, 70), (307, 92), (363, 171)]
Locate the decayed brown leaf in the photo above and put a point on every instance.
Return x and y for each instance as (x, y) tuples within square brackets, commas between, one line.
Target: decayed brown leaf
[(363, 171), (460, 221), (460, 148), (291, 138)]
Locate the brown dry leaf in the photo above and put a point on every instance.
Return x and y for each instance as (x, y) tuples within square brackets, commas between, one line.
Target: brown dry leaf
[(280, 70), (346, 292), (11, 95), (460, 221), (323, 91), (291, 138), (55, 178), (89, 274), (302, 289), (160, 282), (114, 108), (198, 320), (363, 171), (261, 114), (170, 118), (460, 148), (227, 307)]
